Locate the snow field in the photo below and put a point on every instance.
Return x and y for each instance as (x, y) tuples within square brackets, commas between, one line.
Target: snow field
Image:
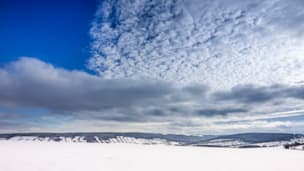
[(52, 156)]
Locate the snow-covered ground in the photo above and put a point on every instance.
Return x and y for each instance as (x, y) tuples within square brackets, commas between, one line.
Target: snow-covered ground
[(52, 156)]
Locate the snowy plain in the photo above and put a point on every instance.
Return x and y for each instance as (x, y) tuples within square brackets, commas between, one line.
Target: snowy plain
[(54, 156)]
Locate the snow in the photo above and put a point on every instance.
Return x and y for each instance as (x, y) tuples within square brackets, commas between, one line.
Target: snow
[(64, 156)]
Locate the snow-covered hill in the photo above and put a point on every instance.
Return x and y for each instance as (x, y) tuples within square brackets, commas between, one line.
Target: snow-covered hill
[(96, 139), (247, 140), (133, 138)]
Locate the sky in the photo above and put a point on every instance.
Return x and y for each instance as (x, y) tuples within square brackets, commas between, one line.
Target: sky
[(162, 66), (53, 31)]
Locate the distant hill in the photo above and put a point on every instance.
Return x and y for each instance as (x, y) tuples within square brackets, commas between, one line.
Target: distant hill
[(141, 138), (245, 140)]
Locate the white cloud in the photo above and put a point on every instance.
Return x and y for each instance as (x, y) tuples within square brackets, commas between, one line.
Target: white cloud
[(218, 43)]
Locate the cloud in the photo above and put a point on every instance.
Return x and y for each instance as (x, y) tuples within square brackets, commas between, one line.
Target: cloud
[(214, 112), (185, 66), (220, 43), (261, 94), (13, 126), (32, 83), (39, 96)]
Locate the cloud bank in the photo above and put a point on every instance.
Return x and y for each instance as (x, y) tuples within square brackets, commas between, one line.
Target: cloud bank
[(92, 102), (220, 43)]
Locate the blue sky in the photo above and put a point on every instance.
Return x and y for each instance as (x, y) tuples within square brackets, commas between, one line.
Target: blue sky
[(51, 30), (165, 66)]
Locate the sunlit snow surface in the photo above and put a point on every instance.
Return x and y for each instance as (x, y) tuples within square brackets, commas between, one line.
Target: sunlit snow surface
[(52, 156)]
